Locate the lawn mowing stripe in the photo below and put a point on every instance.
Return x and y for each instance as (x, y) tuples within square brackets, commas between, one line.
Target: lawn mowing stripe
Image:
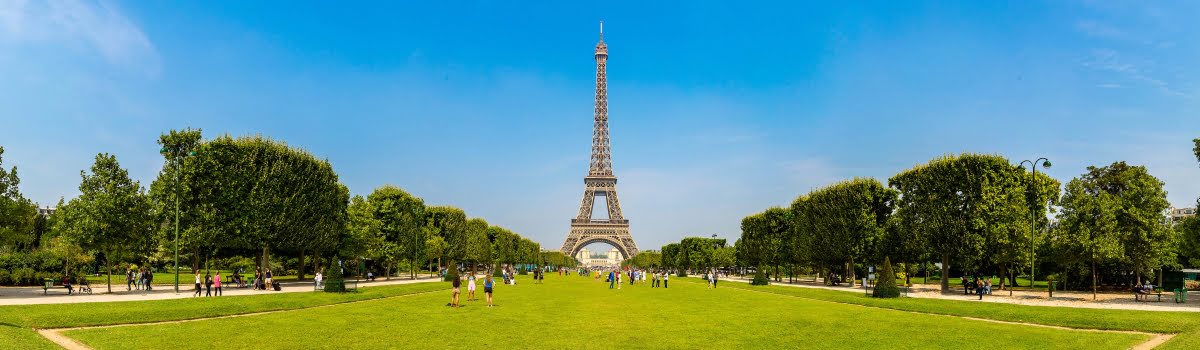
[(55, 334), (1155, 340)]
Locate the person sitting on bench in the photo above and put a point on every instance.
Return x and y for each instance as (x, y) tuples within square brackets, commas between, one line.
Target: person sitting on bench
[(1140, 289), (67, 284)]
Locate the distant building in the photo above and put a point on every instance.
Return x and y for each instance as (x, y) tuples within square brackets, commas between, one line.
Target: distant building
[(587, 258), (47, 211), (1178, 214)]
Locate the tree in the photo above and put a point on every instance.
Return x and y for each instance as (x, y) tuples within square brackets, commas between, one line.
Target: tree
[(844, 221), (479, 249), (1087, 231), (1189, 237), (957, 203), (402, 217), (1135, 200), (670, 256), (364, 235), (450, 224), (885, 286), (503, 245), (17, 214), (271, 197), (435, 248), (112, 214)]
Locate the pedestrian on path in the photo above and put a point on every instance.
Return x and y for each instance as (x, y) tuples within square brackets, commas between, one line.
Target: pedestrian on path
[(217, 283), (208, 285), (198, 281), (149, 280), (129, 278)]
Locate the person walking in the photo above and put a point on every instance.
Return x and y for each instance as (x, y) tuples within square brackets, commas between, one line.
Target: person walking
[(619, 281), (487, 289), (457, 282), (318, 278), (270, 282), (129, 278), (612, 280), (208, 282), (198, 281), (714, 278), (217, 283), (666, 276), (149, 280)]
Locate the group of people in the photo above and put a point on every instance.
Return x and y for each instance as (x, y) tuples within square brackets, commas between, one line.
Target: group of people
[(209, 282), (264, 280), (711, 277), (615, 278), (138, 279), (488, 286), (979, 286)]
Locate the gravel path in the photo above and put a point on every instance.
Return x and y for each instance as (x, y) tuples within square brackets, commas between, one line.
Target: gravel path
[(33, 295), (1061, 298)]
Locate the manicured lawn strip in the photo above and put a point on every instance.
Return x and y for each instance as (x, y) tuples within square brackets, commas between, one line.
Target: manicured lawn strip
[(94, 314), (577, 313), (13, 337), (1144, 321)]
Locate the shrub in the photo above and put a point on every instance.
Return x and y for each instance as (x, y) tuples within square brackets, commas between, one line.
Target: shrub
[(497, 273), (760, 279), (334, 282), (885, 286), (452, 274)]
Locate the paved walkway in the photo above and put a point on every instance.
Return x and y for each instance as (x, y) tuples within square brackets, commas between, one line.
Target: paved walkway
[(33, 295), (1036, 298)]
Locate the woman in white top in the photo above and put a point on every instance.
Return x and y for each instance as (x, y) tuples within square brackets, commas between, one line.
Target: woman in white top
[(198, 281), (471, 288), (318, 278)]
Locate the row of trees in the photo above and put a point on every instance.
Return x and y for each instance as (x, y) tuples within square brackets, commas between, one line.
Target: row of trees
[(697, 253), (391, 225), (245, 196), (973, 213)]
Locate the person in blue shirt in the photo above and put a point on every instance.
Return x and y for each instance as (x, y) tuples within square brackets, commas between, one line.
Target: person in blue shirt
[(612, 279), (487, 289)]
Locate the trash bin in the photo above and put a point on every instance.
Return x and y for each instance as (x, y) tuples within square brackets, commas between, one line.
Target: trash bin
[(49, 283)]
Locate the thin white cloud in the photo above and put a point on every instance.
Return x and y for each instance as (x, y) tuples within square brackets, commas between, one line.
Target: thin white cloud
[(1111, 61), (1100, 30), (87, 27)]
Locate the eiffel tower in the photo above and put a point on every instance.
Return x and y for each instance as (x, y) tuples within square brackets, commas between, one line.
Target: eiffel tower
[(600, 180)]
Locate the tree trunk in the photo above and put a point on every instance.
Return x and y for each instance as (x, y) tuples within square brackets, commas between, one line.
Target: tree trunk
[(907, 274), (945, 280), (1159, 276), (1093, 279), (300, 267), (850, 272), (265, 264), (107, 261), (1003, 273)]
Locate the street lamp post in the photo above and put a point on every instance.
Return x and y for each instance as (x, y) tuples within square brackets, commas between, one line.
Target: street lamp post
[(175, 160), (1033, 226)]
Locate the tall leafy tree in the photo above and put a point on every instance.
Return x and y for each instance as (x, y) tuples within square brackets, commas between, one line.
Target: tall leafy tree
[(16, 212), (958, 203), (402, 218), (112, 214), (479, 248), (1088, 229), (363, 235), (503, 245), (845, 221), (450, 224)]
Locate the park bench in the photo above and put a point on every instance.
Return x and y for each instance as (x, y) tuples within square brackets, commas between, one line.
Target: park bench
[(1143, 297)]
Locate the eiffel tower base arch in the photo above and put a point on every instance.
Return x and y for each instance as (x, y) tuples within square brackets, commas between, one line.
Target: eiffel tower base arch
[(616, 235)]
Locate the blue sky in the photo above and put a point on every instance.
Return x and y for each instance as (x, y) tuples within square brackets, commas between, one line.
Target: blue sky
[(718, 110)]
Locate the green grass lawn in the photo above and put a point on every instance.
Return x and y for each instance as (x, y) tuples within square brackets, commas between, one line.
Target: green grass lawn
[(573, 312), (17, 322)]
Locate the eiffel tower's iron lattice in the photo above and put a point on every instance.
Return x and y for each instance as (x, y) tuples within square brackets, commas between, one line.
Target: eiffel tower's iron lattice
[(600, 180)]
